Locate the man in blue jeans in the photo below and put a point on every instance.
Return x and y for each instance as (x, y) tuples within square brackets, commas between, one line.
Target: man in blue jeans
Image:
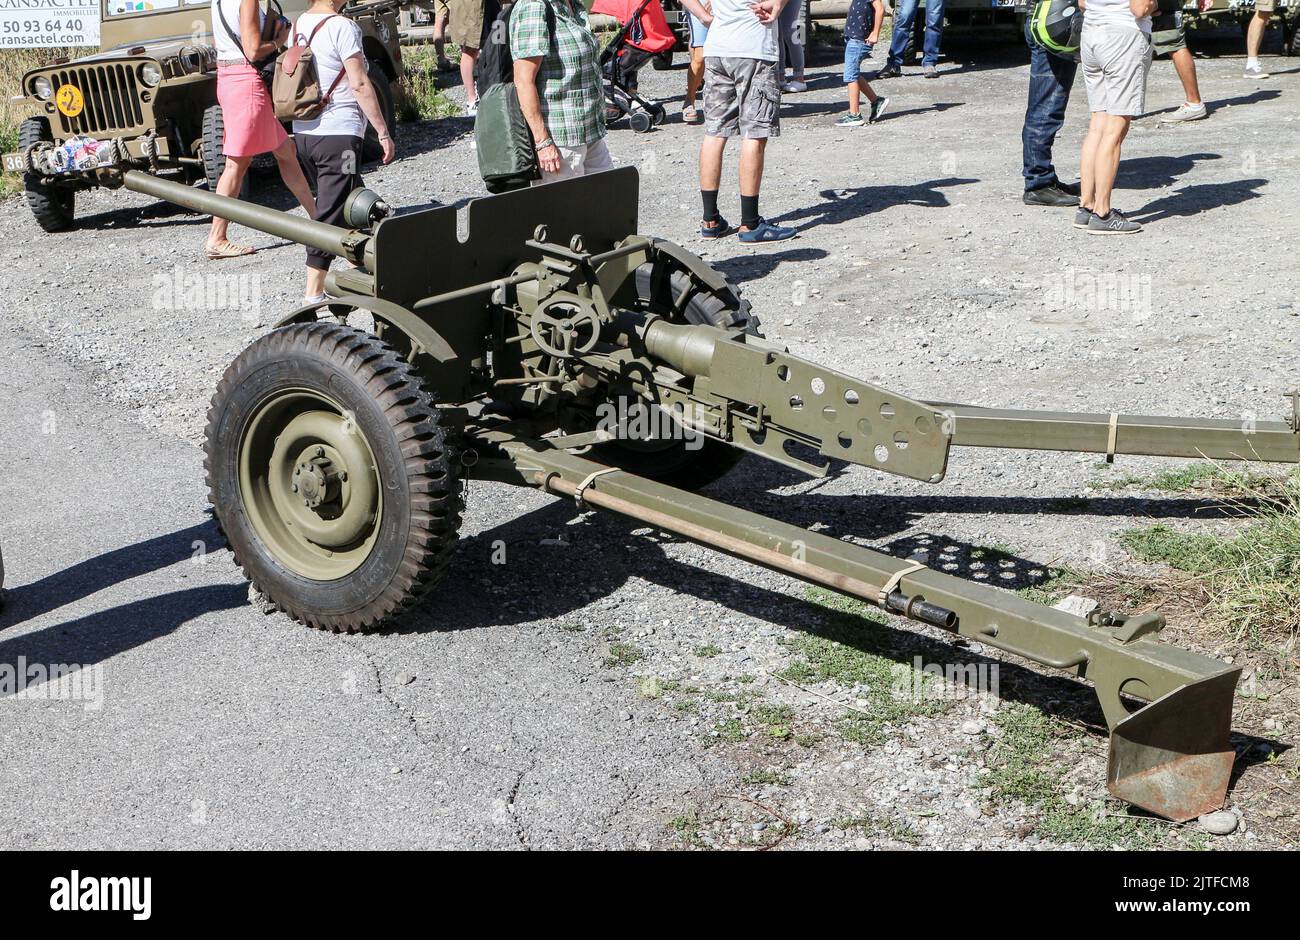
[(901, 32), (1050, 79)]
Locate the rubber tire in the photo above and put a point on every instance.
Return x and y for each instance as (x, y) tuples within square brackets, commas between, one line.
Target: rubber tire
[(403, 427), (657, 285), (640, 121), (371, 150), (211, 152), (53, 207)]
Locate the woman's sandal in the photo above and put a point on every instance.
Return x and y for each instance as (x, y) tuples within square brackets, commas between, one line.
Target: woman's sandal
[(227, 249), (691, 115)]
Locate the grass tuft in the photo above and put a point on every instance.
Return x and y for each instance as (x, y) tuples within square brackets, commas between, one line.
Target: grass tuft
[(1252, 578), (423, 98)]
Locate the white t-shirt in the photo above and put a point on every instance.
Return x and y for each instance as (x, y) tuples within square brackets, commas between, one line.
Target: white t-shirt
[(1114, 13), (736, 33), (338, 40), (229, 50)]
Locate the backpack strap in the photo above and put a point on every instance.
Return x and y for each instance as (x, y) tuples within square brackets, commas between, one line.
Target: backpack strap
[(325, 98)]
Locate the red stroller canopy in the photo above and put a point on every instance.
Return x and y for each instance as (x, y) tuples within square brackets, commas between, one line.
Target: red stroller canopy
[(650, 31)]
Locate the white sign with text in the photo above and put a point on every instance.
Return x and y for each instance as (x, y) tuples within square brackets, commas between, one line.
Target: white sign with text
[(46, 23)]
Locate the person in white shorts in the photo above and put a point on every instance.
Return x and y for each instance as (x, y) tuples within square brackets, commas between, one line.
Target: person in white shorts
[(1115, 52)]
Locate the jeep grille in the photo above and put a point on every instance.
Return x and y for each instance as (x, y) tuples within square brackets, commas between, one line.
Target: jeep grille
[(112, 96)]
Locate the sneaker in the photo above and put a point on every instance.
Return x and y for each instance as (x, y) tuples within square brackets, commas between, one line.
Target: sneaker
[(1050, 195), (471, 109), (794, 86), (1186, 112), (1254, 71), (931, 72), (1081, 217), (765, 231), (1113, 224), (889, 71), (851, 119), (1071, 188), (877, 109), (719, 229)]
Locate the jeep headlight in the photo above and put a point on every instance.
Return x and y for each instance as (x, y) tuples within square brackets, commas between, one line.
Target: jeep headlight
[(42, 88), (150, 74)]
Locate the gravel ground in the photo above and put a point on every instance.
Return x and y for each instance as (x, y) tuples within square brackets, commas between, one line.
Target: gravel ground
[(668, 696)]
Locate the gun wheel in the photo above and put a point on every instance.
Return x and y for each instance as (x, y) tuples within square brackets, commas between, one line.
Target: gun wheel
[(329, 471), (688, 464)]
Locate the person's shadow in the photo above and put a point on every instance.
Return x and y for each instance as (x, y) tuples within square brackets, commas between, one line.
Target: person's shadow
[(1158, 171), (1193, 200), (842, 205)]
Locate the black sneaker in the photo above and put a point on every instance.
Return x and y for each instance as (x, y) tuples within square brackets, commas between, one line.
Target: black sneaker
[(1071, 188), (1050, 195), (889, 71), (1114, 223)]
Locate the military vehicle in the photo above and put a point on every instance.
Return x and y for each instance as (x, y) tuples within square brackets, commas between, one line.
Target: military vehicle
[(1286, 17), (985, 18), (335, 454), (152, 91)]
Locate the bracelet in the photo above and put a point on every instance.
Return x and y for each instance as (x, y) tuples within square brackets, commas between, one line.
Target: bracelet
[(548, 142), (386, 137)]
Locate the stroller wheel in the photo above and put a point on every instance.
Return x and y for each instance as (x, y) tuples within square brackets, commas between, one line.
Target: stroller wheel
[(640, 121), (657, 114)]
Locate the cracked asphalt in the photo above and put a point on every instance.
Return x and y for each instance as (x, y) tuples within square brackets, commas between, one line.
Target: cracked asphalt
[(222, 727)]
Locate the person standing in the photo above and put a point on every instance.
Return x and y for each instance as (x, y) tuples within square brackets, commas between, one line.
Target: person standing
[(861, 31), (1115, 52), (466, 30), (1051, 77), (901, 34), (1169, 37), (441, 14), (695, 70), (1264, 10), (741, 98), (561, 92), (247, 113), (329, 146), (791, 50)]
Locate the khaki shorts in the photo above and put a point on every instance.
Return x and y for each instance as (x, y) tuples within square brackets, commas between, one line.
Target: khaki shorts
[(1115, 60), (741, 96), (1167, 33), (465, 28)]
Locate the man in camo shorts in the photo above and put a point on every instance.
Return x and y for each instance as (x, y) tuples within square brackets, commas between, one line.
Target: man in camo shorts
[(741, 98)]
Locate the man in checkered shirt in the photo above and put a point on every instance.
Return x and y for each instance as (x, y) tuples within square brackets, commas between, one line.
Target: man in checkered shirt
[(557, 77)]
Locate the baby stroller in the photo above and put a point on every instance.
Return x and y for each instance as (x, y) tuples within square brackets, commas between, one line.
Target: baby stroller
[(643, 34)]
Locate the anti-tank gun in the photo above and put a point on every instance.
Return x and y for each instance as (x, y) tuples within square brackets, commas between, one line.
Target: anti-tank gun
[(335, 455)]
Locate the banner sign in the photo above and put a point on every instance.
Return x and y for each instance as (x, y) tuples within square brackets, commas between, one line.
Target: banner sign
[(45, 23)]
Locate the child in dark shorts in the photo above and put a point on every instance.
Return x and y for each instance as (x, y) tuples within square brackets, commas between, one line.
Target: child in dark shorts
[(861, 30)]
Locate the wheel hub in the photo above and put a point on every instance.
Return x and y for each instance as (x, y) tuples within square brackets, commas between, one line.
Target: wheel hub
[(316, 480)]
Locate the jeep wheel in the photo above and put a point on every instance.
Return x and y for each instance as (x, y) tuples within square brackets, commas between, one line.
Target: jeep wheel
[(211, 152), (371, 150), (329, 471), (53, 206)]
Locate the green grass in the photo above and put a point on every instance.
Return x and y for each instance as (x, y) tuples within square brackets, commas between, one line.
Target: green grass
[(1252, 578), (730, 730), (766, 778), (623, 654), (844, 651), (1025, 766), (707, 651), (896, 829), (423, 98)]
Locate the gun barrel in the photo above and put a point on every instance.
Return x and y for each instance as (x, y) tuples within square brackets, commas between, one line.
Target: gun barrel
[(339, 241)]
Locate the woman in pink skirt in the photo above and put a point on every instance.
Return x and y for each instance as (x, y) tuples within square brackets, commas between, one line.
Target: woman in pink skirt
[(246, 109)]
